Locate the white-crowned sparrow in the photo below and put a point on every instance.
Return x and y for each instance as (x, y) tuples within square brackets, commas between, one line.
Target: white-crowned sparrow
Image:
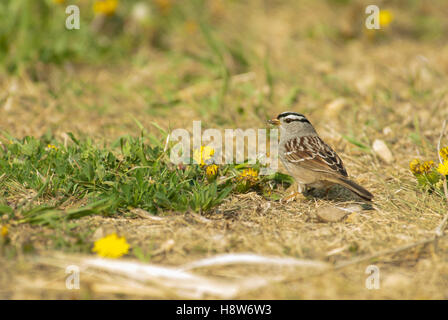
[(309, 160)]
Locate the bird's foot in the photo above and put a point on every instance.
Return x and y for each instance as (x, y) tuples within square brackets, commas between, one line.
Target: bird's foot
[(292, 197)]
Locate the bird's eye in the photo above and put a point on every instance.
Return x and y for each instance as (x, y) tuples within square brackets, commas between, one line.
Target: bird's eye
[(288, 120)]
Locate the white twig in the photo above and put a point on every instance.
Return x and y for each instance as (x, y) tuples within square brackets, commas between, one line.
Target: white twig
[(181, 283), (166, 142), (250, 258)]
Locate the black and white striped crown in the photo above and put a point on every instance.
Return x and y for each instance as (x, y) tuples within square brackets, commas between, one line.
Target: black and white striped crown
[(292, 116)]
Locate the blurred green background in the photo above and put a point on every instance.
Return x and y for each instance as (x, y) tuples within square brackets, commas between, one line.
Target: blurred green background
[(33, 32)]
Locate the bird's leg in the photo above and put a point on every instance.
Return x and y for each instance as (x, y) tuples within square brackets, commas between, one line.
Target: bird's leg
[(289, 198), (292, 196), (327, 189), (293, 187)]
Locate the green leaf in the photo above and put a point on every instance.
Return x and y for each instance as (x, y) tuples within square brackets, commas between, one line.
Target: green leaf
[(357, 143), (5, 209), (73, 138)]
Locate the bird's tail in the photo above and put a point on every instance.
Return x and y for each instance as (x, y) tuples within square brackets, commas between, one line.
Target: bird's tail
[(356, 188)]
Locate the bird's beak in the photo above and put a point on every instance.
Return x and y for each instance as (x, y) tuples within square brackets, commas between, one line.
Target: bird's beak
[(275, 122)]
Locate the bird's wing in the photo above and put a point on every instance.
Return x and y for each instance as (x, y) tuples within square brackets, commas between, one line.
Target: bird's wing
[(314, 154)]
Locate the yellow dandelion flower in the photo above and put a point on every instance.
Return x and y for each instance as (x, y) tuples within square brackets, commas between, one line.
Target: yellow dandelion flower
[(427, 166), (4, 231), (249, 175), (414, 166), (105, 7), (59, 1), (50, 146), (111, 246), (444, 153), (211, 171), (386, 17), (443, 168), (203, 154), (417, 167)]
